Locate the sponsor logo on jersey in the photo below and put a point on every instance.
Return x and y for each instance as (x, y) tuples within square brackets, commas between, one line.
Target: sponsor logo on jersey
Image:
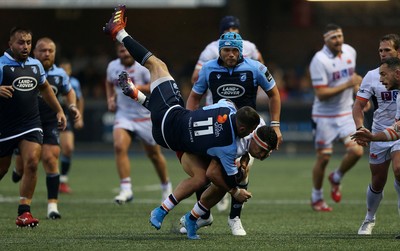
[(217, 129), (222, 119), (389, 96), (342, 74), (230, 91), (24, 83)]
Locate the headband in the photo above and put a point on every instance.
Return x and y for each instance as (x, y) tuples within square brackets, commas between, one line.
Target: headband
[(328, 35), (261, 143)]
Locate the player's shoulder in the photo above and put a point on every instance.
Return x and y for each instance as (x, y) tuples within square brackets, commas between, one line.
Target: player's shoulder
[(249, 44), (212, 45), (114, 63), (371, 78), (33, 61), (254, 64), (347, 47), (55, 70)]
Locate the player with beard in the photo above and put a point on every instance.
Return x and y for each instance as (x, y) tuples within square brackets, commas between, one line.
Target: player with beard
[(21, 80), (335, 81), (45, 52)]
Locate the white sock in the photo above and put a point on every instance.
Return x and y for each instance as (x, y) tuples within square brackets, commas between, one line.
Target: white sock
[(316, 195), (63, 178), (337, 176), (121, 35), (166, 186), (125, 184), (52, 207), (373, 200), (141, 98)]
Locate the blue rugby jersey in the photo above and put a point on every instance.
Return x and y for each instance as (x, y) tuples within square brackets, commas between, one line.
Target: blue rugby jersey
[(20, 114), (210, 130), (59, 82), (239, 84)]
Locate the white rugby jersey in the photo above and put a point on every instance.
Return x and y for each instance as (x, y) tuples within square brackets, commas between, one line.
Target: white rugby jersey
[(384, 100), (211, 52), (328, 70), (126, 107)]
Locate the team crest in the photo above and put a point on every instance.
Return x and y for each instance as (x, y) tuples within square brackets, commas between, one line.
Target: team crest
[(243, 77), (57, 80), (34, 69)]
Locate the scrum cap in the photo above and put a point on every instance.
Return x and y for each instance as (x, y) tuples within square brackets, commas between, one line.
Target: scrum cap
[(228, 22), (231, 40)]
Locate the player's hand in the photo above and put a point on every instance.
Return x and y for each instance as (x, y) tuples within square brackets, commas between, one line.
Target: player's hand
[(62, 121), (75, 112), (362, 136), (355, 80), (6, 91), (241, 195), (278, 135)]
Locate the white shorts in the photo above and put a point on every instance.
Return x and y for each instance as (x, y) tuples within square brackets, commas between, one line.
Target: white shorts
[(379, 152), (330, 129), (142, 128)]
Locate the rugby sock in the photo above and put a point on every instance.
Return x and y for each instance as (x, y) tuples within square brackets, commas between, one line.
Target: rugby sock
[(198, 196), (138, 51), (236, 206), (316, 195), (52, 207), (397, 188), (166, 186), (23, 208), (373, 200), (52, 183), (198, 211), (65, 164), (337, 176), (169, 203), (125, 184)]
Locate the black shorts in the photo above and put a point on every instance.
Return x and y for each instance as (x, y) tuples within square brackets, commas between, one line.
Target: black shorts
[(7, 147), (163, 97), (51, 134)]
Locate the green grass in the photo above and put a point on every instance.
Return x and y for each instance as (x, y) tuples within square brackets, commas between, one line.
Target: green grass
[(278, 217)]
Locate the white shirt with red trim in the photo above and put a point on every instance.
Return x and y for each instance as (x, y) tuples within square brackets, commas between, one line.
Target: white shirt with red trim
[(327, 71), (384, 101)]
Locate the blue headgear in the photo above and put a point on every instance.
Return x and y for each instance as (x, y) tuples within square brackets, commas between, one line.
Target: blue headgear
[(228, 22), (231, 40)]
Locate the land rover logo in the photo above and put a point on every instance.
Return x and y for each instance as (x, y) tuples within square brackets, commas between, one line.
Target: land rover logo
[(230, 91), (24, 84)]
